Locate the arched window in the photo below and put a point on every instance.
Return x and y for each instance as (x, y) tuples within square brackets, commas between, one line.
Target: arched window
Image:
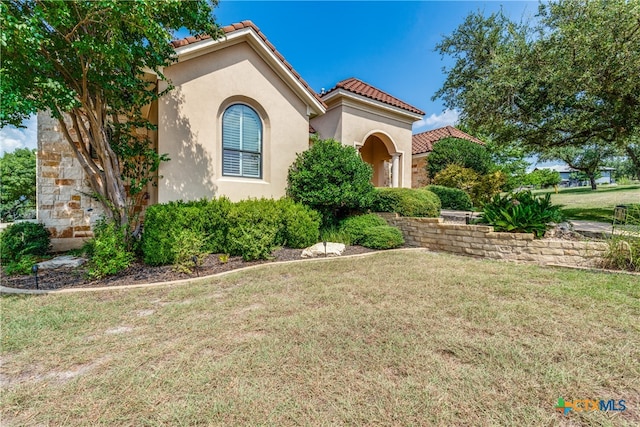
[(241, 142)]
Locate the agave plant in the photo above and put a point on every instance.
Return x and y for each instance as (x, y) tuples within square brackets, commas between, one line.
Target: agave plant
[(521, 213)]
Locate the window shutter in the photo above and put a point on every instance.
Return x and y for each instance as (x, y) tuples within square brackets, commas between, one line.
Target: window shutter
[(250, 131), (231, 162), (231, 136)]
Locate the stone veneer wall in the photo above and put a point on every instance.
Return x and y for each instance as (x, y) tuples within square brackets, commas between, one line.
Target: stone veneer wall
[(61, 182), (419, 176), (482, 241)]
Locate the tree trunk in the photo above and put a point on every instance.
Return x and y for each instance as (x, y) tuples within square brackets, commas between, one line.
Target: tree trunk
[(592, 180), (635, 160), (103, 173)]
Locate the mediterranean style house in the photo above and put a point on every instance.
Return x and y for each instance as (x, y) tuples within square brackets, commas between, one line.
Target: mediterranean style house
[(232, 126)]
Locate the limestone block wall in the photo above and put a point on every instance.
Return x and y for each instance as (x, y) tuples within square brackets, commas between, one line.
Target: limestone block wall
[(483, 241), (61, 205)]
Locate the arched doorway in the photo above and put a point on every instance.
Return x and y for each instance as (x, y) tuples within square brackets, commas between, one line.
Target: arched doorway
[(379, 151)]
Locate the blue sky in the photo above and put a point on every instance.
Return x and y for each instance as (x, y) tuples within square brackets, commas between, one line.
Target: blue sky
[(388, 44)]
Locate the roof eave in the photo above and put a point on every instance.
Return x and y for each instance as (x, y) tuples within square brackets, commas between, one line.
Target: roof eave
[(339, 92)]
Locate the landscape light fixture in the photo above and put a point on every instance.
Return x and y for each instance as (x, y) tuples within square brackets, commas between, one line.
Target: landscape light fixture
[(325, 247), (195, 264), (34, 270)]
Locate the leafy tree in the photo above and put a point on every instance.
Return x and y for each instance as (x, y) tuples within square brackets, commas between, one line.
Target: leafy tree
[(459, 152), (94, 65), (332, 179), (17, 182), (587, 160), (542, 178), (567, 79)]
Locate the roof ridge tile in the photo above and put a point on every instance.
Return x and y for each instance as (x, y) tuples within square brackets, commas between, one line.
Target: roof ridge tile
[(361, 88)]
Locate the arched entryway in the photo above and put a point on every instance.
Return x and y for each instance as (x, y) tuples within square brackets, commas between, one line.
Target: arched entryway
[(380, 152)]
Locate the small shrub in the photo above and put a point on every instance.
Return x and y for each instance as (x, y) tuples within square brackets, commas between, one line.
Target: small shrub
[(521, 213), (254, 226), (300, 224), (407, 202), (336, 235), (487, 186), (187, 246), (354, 227), (623, 250), (23, 238), (456, 176), (22, 266), (108, 250), (382, 237), (451, 198), (623, 253)]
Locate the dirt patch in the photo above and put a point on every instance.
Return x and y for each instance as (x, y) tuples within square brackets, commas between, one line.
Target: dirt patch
[(140, 273)]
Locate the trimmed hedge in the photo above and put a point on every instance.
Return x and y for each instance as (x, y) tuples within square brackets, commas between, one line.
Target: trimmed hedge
[(355, 226), (300, 225), (451, 198), (250, 228), (382, 237), (164, 221), (415, 202)]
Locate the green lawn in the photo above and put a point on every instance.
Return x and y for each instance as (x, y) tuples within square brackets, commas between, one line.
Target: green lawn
[(399, 338), (582, 203)]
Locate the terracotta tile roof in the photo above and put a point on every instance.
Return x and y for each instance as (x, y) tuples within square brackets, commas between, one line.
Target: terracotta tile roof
[(361, 88), (423, 142), (248, 24)]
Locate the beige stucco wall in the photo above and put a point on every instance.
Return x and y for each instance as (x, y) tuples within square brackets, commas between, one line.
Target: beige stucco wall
[(351, 123), (190, 131)]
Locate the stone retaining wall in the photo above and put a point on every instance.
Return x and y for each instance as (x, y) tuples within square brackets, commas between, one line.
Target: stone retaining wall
[(483, 241)]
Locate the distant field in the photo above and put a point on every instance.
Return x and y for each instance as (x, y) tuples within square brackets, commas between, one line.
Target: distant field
[(582, 203)]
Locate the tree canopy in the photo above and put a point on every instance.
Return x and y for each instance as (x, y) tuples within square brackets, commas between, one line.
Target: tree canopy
[(17, 183), (569, 78), (94, 65)]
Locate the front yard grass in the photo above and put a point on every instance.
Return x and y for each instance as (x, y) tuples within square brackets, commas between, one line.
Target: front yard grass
[(582, 203), (398, 338)]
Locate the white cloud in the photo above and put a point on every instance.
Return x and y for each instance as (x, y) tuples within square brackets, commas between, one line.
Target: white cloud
[(434, 121), (12, 138)]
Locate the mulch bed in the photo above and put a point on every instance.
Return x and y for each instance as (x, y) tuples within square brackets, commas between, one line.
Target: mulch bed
[(140, 273)]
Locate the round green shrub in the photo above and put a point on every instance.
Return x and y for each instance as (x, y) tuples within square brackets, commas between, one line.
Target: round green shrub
[(460, 152), (332, 179), (23, 238), (415, 202), (382, 237), (300, 224), (355, 226), (254, 226), (451, 198)]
